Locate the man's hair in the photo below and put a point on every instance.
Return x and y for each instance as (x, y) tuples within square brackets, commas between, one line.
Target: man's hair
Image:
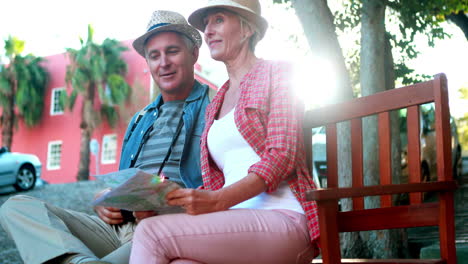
[(189, 44)]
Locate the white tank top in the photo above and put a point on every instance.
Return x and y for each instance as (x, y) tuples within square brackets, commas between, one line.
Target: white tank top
[(234, 156)]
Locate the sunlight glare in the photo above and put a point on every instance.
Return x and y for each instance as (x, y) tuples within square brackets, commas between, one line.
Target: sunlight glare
[(314, 81)]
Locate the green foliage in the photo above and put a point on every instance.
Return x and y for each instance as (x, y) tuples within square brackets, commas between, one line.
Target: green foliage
[(462, 124), (413, 18), (90, 34), (407, 75), (416, 16), (23, 82), (463, 93), (32, 81), (350, 17), (110, 114), (13, 46), (5, 86), (119, 89), (93, 67)]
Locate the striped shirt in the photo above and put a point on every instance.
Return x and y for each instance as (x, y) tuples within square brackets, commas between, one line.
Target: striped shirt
[(156, 147), (269, 117)]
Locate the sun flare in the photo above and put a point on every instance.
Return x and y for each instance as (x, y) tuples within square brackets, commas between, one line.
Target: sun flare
[(314, 81)]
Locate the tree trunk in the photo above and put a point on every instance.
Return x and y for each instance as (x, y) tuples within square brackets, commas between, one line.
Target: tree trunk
[(461, 20), (317, 21), (398, 242), (87, 126), (372, 81), (83, 169), (8, 115), (376, 77), (8, 121)]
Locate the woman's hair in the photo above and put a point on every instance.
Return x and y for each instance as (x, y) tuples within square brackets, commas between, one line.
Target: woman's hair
[(254, 39)]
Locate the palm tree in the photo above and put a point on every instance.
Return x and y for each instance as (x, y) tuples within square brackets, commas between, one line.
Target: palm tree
[(97, 73), (22, 86)]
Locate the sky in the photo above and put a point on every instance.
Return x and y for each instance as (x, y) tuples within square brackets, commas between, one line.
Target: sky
[(50, 26)]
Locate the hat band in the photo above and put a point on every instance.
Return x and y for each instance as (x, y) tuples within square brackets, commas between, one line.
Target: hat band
[(156, 26)]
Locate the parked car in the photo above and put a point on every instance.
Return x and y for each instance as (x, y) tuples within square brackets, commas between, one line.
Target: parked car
[(18, 169), (428, 145), (319, 156)]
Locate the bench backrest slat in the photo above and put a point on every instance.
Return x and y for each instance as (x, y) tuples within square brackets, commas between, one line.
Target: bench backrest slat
[(418, 213), (357, 160)]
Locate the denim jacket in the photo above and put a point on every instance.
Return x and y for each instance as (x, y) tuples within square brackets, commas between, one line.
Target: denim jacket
[(194, 122)]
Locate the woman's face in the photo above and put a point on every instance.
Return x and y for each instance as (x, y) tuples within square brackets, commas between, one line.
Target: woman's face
[(224, 36)]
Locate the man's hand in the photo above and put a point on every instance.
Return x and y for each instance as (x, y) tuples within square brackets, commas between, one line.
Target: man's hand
[(197, 201), (140, 215), (110, 215)]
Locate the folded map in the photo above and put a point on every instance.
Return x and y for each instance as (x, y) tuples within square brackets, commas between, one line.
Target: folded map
[(135, 190)]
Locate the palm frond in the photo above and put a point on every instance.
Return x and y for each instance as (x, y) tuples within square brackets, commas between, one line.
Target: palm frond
[(99, 67)]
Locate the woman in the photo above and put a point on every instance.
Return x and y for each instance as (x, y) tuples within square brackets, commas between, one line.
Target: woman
[(252, 206)]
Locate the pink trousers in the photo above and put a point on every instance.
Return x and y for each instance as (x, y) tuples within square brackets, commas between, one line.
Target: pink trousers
[(233, 236)]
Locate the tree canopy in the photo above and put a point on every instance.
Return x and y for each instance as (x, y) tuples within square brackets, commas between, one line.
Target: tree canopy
[(22, 87), (96, 73)]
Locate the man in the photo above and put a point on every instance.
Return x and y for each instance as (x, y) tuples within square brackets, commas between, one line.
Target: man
[(44, 233)]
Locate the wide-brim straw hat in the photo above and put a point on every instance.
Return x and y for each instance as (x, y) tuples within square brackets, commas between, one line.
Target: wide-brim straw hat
[(163, 21), (248, 9)]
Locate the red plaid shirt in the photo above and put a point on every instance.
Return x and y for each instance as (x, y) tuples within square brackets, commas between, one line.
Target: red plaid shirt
[(269, 117)]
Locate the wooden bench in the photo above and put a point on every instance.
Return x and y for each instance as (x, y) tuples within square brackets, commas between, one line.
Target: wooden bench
[(332, 221)]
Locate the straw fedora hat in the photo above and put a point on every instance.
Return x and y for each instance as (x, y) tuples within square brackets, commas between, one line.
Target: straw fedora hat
[(162, 21), (249, 9)]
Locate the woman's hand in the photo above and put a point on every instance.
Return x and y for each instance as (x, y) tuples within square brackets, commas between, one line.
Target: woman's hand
[(205, 201), (197, 201), (110, 215)]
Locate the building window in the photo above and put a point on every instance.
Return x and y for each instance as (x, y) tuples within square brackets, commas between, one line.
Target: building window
[(109, 149), (54, 155), (56, 107)]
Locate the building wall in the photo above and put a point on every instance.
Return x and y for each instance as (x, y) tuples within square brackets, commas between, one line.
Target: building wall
[(65, 127)]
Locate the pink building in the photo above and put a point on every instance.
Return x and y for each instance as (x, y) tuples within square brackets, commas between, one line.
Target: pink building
[(56, 140)]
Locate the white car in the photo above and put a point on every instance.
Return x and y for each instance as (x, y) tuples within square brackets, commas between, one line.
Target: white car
[(319, 156), (18, 169)]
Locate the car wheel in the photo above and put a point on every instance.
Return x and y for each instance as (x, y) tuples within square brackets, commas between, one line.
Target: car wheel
[(457, 168), (425, 177), (25, 179), (425, 173)]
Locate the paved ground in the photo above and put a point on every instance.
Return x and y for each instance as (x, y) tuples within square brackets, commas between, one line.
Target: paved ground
[(77, 196), (427, 236), (74, 196)]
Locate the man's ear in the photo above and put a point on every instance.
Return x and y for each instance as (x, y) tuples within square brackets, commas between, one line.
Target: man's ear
[(195, 53)]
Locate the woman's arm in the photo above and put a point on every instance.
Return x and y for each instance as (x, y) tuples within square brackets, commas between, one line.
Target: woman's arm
[(283, 130), (205, 201)]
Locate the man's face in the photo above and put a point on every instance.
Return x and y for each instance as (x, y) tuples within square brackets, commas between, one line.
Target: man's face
[(171, 64)]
